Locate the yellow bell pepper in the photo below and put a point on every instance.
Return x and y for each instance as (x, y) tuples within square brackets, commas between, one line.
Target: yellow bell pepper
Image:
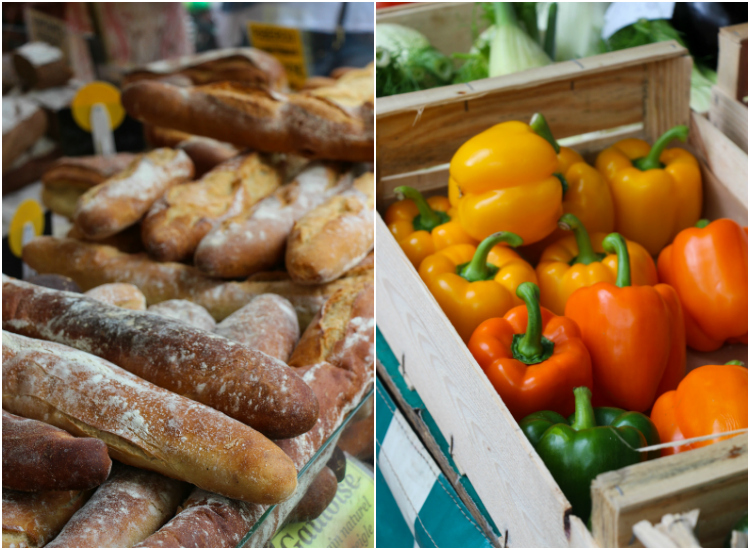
[(473, 284), (577, 261), (503, 180), (657, 192), (422, 227)]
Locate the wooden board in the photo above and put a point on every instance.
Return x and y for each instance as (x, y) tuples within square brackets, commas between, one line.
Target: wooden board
[(712, 479), (729, 116), (732, 67)]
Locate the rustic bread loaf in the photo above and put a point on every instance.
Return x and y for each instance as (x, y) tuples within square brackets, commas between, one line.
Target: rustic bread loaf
[(185, 312), (318, 126), (71, 177), (243, 383), (23, 124), (142, 424), (268, 323), (130, 505), (178, 221), (207, 153), (40, 65), (92, 265), (253, 241), (319, 495), (123, 199), (333, 237), (40, 457), (58, 282), (120, 295), (31, 520), (128, 240)]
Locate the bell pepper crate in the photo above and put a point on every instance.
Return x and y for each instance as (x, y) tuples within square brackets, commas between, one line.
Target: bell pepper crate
[(592, 103), (728, 110)]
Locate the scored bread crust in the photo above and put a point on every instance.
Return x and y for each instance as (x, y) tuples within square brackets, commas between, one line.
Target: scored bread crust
[(142, 424), (119, 294)]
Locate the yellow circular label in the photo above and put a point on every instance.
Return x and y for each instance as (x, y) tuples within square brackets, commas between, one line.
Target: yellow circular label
[(28, 211), (90, 95)]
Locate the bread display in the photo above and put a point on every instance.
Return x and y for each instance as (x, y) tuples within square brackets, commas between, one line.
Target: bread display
[(142, 424), (245, 384), (31, 520), (333, 237), (333, 123), (268, 323), (71, 177), (40, 457), (119, 294), (178, 221), (123, 199), (254, 241), (126, 509)]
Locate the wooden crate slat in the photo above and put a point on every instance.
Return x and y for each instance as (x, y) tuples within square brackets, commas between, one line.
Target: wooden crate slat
[(732, 67), (729, 116), (523, 498), (667, 101), (712, 478)]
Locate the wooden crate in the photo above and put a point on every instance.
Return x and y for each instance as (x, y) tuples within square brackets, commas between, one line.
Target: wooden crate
[(638, 92), (728, 112)]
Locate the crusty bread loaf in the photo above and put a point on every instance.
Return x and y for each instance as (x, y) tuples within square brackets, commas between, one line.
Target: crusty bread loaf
[(119, 294), (130, 505), (23, 124), (268, 323), (342, 333), (178, 221), (208, 520), (128, 240), (255, 240), (71, 177), (319, 495), (243, 383), (31, 520), (92, 265), (123, 199), (41, 65), (58, 282), (207, 153), (142, 424), (185, 312), (335, 236), (324, 126), (40, 457)]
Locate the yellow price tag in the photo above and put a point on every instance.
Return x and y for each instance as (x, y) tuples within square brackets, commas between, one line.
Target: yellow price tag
[(348, 522), (27, 223), (90, 95), (285, 44)]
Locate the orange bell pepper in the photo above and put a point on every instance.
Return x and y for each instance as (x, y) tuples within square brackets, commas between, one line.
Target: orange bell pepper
[(533, 358), (635, 334), (657, 192), (577, 261), (473, 284), (422, 227), (503, 180), (711, 399), (707, 266)]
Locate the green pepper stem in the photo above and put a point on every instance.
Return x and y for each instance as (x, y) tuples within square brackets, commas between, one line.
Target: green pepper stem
[(651, 161), (539, 124), (700, 224), (735, 362), (531, 343), (427, 216), (584, 416), (586, 254), (614, 243), (477, 269)]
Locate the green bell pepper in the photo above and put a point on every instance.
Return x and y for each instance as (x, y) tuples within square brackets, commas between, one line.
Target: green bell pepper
[(576, 452), (612, 416)]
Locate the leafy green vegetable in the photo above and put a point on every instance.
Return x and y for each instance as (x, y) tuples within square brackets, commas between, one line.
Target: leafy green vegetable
[(511, 49)]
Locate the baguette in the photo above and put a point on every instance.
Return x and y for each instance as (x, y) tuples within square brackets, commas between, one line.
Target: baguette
[(142, 424), (71, 177), (178, 221), (209, 520), (268, 323), (31, 520), (58, 282), (185, 312), (319, 495), (123, 199), (120, 295), (335, 236), (254, 241), (245, 384), (40, 457), (131, 505), (91, 265), (314, 126), (127, 240), (207, 153)]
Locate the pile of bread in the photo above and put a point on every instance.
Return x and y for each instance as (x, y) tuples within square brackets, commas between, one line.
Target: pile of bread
[(208, 333)]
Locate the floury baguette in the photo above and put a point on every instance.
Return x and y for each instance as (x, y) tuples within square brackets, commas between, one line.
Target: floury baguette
[(142, 424), (245, 384)]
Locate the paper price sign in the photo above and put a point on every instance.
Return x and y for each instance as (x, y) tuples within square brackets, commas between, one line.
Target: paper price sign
[(285, 44)]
